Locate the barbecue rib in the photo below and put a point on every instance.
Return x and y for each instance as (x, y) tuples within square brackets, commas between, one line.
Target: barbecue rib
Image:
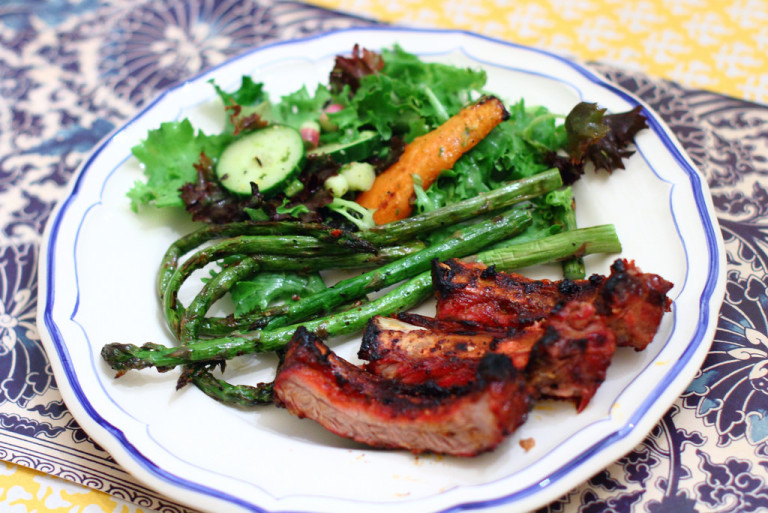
[(631, 301), (439, 354), (479, 294), (565, 356), (633, 304), (313, 382), (571, 359), (460, 383)]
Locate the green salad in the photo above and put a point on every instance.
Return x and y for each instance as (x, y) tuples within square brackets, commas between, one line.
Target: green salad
[(275, 192)]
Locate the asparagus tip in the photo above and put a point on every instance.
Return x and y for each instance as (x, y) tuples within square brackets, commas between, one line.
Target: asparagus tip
[(124, 357)]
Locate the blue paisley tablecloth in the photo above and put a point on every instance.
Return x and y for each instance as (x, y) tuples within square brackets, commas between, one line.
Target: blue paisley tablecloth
[(71, 71)]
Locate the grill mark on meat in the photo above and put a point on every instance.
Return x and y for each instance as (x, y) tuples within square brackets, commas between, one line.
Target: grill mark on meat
[(465, 292), (315, 383), (438, 355), (565, 356), (571, 360), (489, 273), (632, 302)]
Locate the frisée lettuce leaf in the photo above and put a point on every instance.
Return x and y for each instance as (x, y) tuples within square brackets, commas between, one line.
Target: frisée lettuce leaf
[(408, 97), (399, 96), (168, 156), (515, 149)]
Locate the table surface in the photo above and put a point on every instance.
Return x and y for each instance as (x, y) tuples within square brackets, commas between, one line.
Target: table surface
[(64, 83)]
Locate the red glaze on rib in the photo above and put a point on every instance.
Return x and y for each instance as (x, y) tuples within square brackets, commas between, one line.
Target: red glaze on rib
[(472, 292), (571, 359), (313, 382), (632, 302), (564, 356), (415, 355)]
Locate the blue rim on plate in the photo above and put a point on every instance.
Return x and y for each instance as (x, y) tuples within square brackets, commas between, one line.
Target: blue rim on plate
[(569, 473)]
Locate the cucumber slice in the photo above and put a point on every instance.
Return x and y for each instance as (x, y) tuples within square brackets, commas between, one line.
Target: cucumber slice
[(359, 149), (270, 157)]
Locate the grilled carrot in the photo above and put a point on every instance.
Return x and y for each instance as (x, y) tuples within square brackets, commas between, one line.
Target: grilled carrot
[(428, 156)]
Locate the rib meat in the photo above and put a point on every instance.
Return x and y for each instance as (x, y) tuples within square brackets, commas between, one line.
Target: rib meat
[(632, 302), (475, 293), (571, 359), (460, 383), (438, 354), (565, 356), (315, 383)]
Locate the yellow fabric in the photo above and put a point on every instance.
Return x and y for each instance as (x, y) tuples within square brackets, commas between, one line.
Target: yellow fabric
[(719, 45), (23, 490)]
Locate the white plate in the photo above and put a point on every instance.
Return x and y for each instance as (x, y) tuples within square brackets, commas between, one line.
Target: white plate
[(97, 278)]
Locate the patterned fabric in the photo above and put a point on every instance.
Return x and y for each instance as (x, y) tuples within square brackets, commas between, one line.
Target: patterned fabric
[(24, 490), (70, 72), (73, 70), (710, 44)]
